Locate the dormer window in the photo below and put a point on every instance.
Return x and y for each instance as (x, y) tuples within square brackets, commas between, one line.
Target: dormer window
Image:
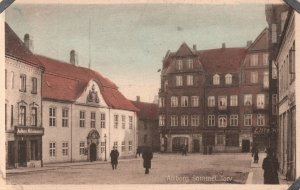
[(228, 79), (216, 79), (179, 64)]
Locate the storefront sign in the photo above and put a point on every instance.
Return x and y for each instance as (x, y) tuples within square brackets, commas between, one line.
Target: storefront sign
[(263, 130), (29, 131)]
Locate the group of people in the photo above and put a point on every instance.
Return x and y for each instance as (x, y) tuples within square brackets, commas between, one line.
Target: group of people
[(147, 156)]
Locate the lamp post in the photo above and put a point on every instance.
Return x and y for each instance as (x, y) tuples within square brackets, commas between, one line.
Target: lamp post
[(105, 148)]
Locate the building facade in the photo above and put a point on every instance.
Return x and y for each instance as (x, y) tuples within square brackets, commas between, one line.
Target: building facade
[(147, 128), (23, 103), (215, 99), (282, 20), (84, 114)]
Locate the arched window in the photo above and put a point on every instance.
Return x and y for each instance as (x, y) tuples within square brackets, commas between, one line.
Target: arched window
[(228, 79), (216, 79)]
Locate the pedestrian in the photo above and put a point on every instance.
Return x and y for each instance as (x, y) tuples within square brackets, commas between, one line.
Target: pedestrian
[(147, 156), (270, 166), (256, 156), (185, 150), (114, 155), (138, 152)]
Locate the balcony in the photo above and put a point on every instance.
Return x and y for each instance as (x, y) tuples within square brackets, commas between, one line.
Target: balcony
[(26, 130)]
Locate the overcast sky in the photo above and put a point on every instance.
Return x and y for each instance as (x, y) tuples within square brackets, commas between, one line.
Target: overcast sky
[(128, 42)]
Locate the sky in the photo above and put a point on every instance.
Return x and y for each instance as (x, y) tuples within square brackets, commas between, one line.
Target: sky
[(127, 42)]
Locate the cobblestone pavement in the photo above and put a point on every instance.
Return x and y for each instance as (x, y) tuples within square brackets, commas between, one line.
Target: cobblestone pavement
[(166, 168)]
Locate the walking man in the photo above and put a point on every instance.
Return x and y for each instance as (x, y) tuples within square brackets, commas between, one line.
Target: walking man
[(147, 156), (114, 155)]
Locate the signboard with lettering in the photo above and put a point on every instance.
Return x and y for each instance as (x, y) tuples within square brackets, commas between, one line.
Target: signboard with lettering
[(29, 131), (263, 130)]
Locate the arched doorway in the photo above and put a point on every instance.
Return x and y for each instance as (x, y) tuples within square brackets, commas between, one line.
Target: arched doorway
[(178, 143), (93, 152)]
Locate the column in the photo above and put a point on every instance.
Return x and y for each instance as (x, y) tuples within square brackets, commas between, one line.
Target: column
[(28, 150)]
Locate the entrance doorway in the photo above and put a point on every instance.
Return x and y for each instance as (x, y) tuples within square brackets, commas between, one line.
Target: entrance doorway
[(22, 153), (93, 152), (245, 145), (10, 154), (178, 143), (196, 146)]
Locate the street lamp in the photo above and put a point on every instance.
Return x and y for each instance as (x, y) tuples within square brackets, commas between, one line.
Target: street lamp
[(105, 148)]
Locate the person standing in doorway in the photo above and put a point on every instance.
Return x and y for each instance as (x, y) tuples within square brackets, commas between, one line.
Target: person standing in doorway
[(270, 166), (114, 155), (147, 156)]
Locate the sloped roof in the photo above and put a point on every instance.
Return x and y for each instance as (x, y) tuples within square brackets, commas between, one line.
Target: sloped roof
[(261, 42), (16, 48), (64, 81), (147, 111), (184, 50)]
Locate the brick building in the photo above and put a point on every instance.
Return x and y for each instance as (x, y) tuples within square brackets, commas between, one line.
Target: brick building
[(23, 103), (147, 127), (214, 98)]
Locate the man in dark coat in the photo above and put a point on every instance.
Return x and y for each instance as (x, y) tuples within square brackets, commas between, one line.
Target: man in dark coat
[(270, 166), (147, 156), (114, 155)]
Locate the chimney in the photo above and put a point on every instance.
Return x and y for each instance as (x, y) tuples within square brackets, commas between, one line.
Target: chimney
[(194, 47), (138, 99), (73, 57), (249, 43), (28, 41), (223, 45)]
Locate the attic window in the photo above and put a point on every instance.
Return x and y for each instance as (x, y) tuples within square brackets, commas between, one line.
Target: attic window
[(216, 79), (228, 79)]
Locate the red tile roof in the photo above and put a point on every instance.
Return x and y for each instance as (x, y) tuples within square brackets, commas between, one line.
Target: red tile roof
[(147, 111), (66, 82), (14, 47)]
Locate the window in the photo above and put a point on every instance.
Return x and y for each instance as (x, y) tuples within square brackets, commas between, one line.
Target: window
[(166, 85), (34, 85), (274, 33), (102, 120), (211, 101), (222, 102), (23, 83), (266, 59), (161, 120), (232, 139), (220, 140), (222, 120), (216, 79), (195, 120), (233, 100), (22, 116), (93, 119), (254, 60), (34, 150), (129, 145), (123, 121), (102, 147), (190, 80), (195, 101), (248, 120), (211, 120), (260, 120), (234, 120), (179, 64), (248, 99), (228, 79), (33, 116), (65, 149), (292, 70), (274, 70), (116, 144), (52, 149), (5, 116), (174, 101), (82, 148), (161, 102), (145, 139), (184, 101), (174, 120), (5, 80), (52, 117), (82, 119), (184, 120), (65, 117), (11, 115), (179, 81), (123, 148), (254, 77), (116, 121), (260, 101), (130, 122), (12, 79), (266, 79), (190, 63)]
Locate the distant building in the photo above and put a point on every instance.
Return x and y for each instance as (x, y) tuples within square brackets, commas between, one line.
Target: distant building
[(215, 99), (147, 128), (281, 20), (23, 103)]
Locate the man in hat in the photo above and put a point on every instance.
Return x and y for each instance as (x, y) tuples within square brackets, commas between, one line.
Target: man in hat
[(114, 155)]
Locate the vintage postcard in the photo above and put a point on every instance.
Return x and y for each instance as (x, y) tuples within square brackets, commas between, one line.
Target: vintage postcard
[(139, 93)]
